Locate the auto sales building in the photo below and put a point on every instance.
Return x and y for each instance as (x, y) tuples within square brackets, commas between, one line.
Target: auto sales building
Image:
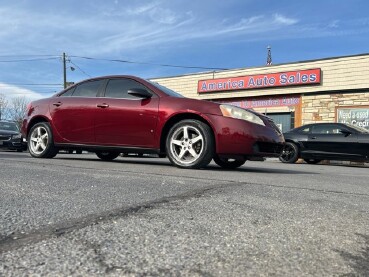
[(326, 90)]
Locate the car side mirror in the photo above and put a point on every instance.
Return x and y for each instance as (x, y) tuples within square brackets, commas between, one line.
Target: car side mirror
[(140, 92), (345, 132)]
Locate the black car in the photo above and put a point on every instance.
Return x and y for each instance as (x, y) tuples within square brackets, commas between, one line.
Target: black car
[(10, 136), (326, 141)]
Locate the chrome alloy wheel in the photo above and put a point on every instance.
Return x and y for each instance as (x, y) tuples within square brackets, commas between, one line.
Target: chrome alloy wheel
[(186, 144), (39, 140)]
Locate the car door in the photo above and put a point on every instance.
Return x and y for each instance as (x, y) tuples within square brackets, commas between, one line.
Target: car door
[(332, 141), (126, 120), (73, 113), (363, 144)]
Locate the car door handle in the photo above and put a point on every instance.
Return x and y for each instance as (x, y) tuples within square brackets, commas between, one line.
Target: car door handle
[(313, 137), (57, 104), (103, 106)]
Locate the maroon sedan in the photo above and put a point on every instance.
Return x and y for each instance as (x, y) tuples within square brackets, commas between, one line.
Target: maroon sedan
[(125, 114)]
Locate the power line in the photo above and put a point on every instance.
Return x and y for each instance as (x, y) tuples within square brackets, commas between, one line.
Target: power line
[(146, 63), (11, 56), (21, 84), (80, 69), (52, 57), (28, 60)]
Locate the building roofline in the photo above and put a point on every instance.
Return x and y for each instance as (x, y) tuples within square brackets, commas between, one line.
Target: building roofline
[(264, 66)]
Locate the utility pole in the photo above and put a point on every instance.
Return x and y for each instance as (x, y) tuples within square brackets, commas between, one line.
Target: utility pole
[(65, 70)]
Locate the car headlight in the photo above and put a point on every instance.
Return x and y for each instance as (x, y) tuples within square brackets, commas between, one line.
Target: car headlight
[(16, 136), (235, 112)]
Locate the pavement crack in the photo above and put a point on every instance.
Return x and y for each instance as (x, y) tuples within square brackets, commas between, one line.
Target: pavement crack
[(18, 240)]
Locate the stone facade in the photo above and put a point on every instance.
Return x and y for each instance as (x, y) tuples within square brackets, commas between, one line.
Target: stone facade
[(322, 108)]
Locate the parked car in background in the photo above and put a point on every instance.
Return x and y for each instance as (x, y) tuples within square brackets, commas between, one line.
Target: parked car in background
[(126, 114), (326, 141), (10, 136)]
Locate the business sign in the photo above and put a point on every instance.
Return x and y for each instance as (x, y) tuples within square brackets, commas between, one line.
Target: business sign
[(281, 79), (265, 102), (358, 116)]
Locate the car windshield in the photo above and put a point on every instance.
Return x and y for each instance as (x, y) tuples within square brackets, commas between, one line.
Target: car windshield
[(167, 90), (8, 126), (359, 129)]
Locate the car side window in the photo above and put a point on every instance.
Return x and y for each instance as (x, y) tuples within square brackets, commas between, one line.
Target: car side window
[(88, 89), (69, 92), (326, 129), (305, 130), (118, 88)]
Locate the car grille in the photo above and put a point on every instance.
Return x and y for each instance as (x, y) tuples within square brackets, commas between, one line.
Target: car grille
[(4, 137), (268, 147)]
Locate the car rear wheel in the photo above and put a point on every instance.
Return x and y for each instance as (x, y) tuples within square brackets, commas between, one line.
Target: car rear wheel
[(228, 163), (107, 156), (312, 161), (190, 144), (40, 141), (290, 153)]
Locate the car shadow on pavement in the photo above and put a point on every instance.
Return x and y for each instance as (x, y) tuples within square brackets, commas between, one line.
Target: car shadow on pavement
[(165, 162)]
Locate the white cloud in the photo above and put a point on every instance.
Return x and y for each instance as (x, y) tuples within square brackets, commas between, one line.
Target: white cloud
[(281, 19), (11, 91), (334, 24), (142, 8), (118, 29)]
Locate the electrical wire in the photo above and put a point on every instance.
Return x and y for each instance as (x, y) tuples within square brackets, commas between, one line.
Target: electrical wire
[(80, 69), (146, 63), (29, 60), (54, 57)]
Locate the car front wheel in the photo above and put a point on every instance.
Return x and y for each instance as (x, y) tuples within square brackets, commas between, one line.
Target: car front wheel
[(290, 153), (190, 144), (40, 141), (107, 156), (228, 163)]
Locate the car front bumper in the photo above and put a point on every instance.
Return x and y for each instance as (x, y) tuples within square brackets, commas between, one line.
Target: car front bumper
[(235, 137), (13, 144)]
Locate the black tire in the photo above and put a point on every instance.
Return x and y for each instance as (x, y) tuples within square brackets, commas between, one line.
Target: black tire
[(190, 144), (312, 161), (107, 156), (290, 153), (40, 141), (228, 163)]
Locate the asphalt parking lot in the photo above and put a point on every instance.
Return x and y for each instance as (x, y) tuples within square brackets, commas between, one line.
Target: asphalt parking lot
[(75, 215)]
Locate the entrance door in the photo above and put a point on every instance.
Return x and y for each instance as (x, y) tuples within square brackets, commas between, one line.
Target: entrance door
[(282, 120)]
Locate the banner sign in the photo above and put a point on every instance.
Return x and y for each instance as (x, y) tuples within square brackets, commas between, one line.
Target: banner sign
[(358, 116), (264, 102), (282, 79)]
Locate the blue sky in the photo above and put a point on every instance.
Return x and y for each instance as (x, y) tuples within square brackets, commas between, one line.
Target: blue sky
[(206, 33)]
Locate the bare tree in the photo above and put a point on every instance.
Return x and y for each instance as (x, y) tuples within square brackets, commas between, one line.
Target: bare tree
[(3, 106), (17, 108)]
